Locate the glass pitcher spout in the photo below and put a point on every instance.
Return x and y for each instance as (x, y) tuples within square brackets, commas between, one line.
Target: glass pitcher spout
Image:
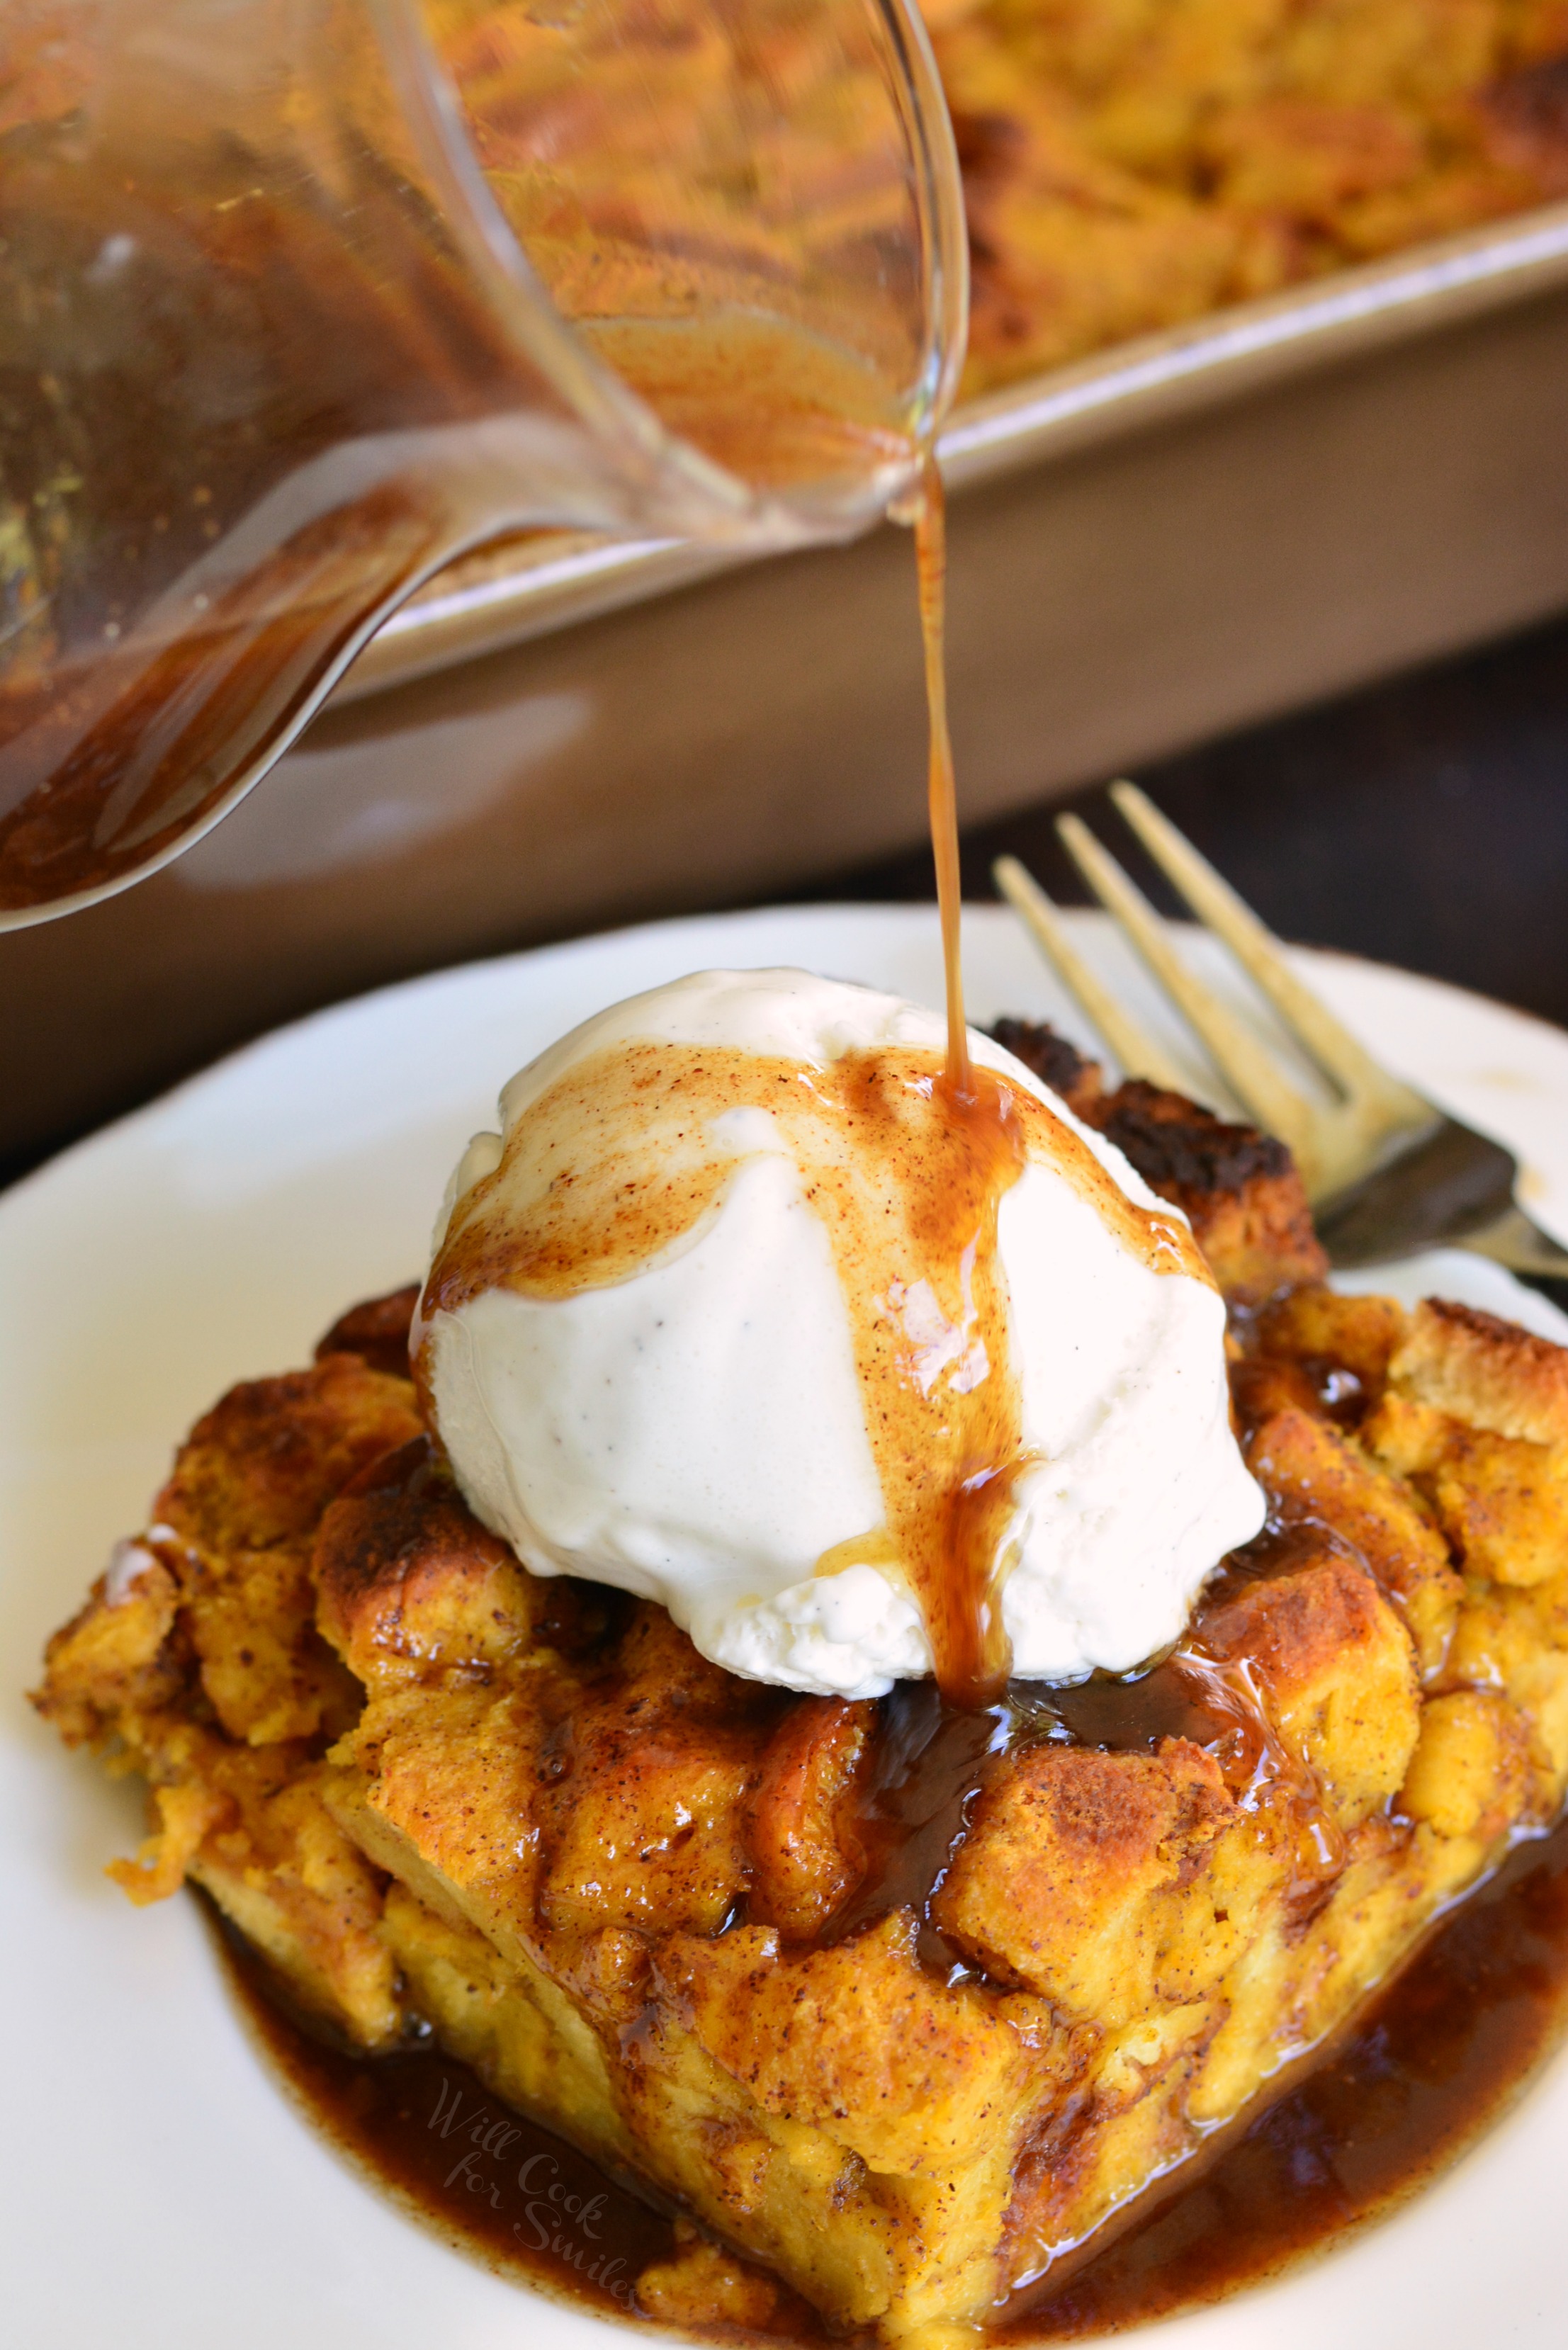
[(299, 299)]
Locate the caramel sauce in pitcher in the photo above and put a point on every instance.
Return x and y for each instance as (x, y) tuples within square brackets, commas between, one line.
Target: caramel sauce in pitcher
[(189, 577), (199, 512), (202, 517)]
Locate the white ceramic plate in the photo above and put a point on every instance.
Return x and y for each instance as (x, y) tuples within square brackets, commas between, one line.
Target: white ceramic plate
[(158, 2191)]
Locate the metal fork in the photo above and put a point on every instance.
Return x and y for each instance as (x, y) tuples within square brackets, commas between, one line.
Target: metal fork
[(1387, 1171)]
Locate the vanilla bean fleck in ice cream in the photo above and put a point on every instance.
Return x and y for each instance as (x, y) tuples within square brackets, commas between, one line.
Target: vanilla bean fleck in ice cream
[(698, 1324)]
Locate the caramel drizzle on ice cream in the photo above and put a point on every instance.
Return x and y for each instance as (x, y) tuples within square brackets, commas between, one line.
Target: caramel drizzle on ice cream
[(905, 1156), (630, 1151)]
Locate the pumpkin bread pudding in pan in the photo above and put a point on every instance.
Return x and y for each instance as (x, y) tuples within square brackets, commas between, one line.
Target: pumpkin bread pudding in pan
[(1133, 164)]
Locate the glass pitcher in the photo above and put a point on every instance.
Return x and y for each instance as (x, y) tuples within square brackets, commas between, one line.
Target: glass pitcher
[(301, 298)]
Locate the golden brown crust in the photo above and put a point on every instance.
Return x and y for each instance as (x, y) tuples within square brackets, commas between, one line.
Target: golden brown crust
[(1324, 1332), (1487, 1372), (408, 1586), (1237, 1187), (903, 2069), (1318, 1472), (1340, 1676), (804, 1853), (117, 1658), (701, 2286), (377, 1331), (615, 1870), (236, 1521), (645, 1824), (1475, 1416), (1078, 1879), (1055, 1061), (1471, 1772)]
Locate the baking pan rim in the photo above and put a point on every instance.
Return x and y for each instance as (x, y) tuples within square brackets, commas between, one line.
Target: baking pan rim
[(530, 587)]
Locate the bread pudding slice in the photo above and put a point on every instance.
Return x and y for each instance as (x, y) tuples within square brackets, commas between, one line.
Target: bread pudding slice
[(901, 2004)]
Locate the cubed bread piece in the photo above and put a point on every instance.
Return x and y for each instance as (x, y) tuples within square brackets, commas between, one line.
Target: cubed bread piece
[(862, 2041), (1262, 1385), (1097, 1879), (642, 1809), (1489, 1373), (1477, 1416), (410, 1588), (303, 1892), (805, 1857), (436, 1785), (702, 2285), (1357, 1336), (510, 2023), (1502, 1501), (220, 1584), (116, 1659), (1127, 2119), (1470, 1771), (1237, 1187), (261, 1466), (1315, 1468), (1336, 1669), (377, 1331), (485, 1761), (1055, 1061), (649, 1829), (1516, 1642), (249, 1823), (236, 1519)]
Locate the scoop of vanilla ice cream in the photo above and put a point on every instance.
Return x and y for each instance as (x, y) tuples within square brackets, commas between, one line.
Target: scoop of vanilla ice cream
[(695, 1433)]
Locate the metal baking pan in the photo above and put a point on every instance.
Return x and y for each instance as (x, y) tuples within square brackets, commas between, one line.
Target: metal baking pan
[(529, 587), (1177, 536)]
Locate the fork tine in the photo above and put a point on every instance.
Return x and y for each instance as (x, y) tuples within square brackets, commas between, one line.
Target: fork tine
[(1134, 1048), (1216, 904), (1275, 1103)]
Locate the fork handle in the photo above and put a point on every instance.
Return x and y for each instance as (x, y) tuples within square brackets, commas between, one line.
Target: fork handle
[(1447, 1185)]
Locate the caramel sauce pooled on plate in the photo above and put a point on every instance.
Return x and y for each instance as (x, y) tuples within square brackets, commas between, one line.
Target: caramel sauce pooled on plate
[(1432, 2060)]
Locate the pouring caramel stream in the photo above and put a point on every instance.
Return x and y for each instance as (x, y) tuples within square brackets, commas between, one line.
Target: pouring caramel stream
[(906, 1156), (984, 1158), (930, 520)]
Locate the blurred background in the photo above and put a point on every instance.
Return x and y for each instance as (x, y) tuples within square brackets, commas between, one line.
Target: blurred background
[(1259, 490)]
